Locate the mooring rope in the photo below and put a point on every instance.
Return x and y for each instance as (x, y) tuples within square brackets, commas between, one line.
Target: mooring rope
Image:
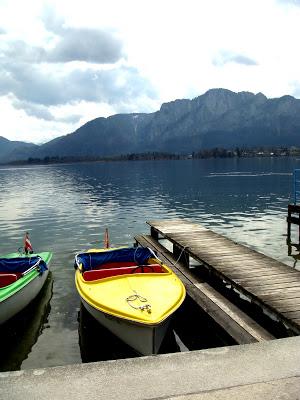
[(185, 247), (142, 299)]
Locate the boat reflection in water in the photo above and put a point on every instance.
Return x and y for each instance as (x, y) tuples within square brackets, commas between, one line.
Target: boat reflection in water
[(19, 334), (99, 344)]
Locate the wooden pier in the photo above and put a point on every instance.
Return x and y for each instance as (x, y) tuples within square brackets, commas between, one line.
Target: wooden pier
[(269, 284)]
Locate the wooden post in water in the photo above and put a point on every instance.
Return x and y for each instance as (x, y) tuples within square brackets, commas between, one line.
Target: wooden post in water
[(294, 208), (299, 228), (289, 225), (292, 219)]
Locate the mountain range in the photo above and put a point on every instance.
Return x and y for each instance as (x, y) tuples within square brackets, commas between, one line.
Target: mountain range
[(15, 150), (218, 118)]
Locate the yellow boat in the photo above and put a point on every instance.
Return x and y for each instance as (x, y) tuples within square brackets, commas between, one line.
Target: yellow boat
[(131, 292)]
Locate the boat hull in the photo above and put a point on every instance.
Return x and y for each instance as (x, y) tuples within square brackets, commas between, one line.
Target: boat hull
[(18, 301), (144, 339)]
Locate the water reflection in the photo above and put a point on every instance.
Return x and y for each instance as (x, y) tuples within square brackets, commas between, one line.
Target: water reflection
[(79, 200), (97, 343), (20, 333)]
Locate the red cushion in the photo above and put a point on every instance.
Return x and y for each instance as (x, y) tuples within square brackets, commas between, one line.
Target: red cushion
[(18, 274), (105, 273), (7, 279), (116, 265)]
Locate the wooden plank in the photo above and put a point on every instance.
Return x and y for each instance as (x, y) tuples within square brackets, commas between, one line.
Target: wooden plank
[(203, 243), (234, 268), (249, 251), (223, 299), (266, 281), (291, 314), (204, 240), (211, 234), (218, 252), (248, 292), (238, 254), (277, 292), (274, 286), (175, 226), (210, 252), (237, 324), (245, 263), (283, 308), (237, 266), (212, 259), (286, 301), (233, 312), (256, 275), (262, 258), (269, 298)]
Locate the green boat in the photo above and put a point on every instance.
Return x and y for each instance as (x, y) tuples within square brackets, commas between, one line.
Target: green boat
[(21, 279)]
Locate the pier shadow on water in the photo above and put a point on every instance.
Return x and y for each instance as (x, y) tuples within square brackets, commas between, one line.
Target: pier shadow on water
[(20, 333)]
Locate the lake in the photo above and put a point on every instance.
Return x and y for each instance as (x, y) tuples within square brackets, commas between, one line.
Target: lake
[(66, 209)]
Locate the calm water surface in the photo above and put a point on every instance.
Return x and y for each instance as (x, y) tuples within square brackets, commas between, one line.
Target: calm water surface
[(67, 207)]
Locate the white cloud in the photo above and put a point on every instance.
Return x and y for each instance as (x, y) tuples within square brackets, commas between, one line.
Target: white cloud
[(64, 62), (18, 125), (225, 57)]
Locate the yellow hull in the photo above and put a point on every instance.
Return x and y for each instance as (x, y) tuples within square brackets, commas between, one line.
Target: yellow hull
[(144, 339), (142, 298)]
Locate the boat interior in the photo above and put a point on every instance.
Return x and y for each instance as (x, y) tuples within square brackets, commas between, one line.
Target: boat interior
[(122, 268), (8, 278), (11, 269)]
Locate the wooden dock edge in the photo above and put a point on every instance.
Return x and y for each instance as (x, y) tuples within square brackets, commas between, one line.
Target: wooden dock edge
[(236, 323), (157, 233)]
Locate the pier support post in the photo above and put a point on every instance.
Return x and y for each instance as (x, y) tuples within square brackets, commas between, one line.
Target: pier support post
[(293, 219), (289, 225), (299, 233), (154, 233)]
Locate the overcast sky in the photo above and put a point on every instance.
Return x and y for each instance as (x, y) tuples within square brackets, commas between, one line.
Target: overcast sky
[(65, 62)]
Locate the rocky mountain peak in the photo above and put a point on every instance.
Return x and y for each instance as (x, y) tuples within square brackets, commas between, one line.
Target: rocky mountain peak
[(218, 118)]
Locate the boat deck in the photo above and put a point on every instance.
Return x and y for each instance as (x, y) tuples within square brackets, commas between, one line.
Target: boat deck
[(270, 284)]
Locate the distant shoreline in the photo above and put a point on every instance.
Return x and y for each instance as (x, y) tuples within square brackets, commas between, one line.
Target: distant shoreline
[(155, 156)]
